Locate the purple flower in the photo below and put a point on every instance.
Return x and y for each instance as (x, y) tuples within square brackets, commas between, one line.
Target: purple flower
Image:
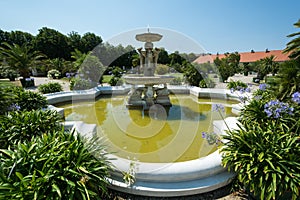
[(276, 109), (218, 108), (14, 107), (263, 86), (247, 89), (296, 97), (204, 134), (232, 90)]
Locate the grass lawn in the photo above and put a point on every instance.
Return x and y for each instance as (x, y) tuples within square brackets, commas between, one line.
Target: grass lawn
[(106, 78)]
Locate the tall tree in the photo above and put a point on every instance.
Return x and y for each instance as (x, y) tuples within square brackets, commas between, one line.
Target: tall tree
[(20, 58), (52, 43), (75, 41), (20, 38), (227, 66), (293, 46), (89, 42), (163, 57)]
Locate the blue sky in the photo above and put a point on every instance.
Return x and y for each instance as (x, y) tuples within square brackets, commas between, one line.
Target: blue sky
[(214, 25)]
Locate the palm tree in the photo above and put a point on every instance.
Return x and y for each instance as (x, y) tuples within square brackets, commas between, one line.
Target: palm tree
[(269, 65), (293, 46), (79, 57), (289, 78), (20, 58)]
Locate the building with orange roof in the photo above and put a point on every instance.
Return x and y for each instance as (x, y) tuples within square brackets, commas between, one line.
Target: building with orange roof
[(246, 57)]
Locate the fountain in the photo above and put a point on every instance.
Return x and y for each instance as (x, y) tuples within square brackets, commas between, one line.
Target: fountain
[(149, 94), (173, 159)]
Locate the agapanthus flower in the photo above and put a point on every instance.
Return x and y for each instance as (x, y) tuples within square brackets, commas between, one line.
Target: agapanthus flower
[(263, 86), (218, 108), (14, 107), (277, 109), (296, 97)]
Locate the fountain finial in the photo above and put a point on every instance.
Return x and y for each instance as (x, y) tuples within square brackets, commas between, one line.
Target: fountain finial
[(148, 28)]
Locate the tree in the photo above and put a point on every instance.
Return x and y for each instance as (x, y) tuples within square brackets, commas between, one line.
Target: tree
[(89, 42), (289, 78), (163, 57), (20, 58), (91, 69), (268, 65), (293, 46), (4, 37), (20, 38), (52, 43), (78, 57), (192, 75), (75, 41), (227, 66)]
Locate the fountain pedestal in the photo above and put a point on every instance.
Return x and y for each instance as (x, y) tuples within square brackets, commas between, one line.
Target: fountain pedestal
[(148, 95)]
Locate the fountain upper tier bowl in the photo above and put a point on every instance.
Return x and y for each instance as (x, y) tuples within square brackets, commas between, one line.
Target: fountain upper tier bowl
[(148, 37), (148, 80)]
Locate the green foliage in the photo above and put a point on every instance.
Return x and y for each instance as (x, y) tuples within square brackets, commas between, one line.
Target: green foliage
[(236, 85), (53, 73), (227, 66), (265, 159), (6, 100), (116, 77), (52, 43), (22, 126), (192, 75), (288, 79), (263, 152), (26, 100), (176, 81), (92, 70), (56, 165), (162, 69), (20, 58), (50, 88), (293, 46), (207, 83), (79, 84), (9, 73)]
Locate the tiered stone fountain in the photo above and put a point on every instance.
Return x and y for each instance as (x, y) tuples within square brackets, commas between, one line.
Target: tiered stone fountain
[(145, 89)]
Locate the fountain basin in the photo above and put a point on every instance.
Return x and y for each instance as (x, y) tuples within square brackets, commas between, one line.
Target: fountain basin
[(148, 37), (170, 179), (148, 80)]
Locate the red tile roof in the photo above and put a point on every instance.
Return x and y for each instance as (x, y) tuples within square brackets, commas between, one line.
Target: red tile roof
[(247, 56)]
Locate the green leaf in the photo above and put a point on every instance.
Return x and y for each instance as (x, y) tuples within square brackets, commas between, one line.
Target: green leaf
[(56, 189), (260, 157), (19, 175)]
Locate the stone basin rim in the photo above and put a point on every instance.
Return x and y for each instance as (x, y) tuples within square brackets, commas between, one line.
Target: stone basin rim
[(155, 173)]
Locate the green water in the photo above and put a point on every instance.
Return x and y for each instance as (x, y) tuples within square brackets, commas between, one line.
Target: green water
[(158, 135)]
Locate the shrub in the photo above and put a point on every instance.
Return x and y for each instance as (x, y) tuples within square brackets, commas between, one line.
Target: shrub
[(22, 126), (176, 81), (265, 159), (207, 83), (162, 69), (50, 88), (6, 100), (79, 84), (26, 100), (115, 81), (53, 73), (236, 85), (263, 152), (9, 73), (58, 165)]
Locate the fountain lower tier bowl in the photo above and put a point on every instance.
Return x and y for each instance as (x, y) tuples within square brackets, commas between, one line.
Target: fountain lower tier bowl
[(148, 80)]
